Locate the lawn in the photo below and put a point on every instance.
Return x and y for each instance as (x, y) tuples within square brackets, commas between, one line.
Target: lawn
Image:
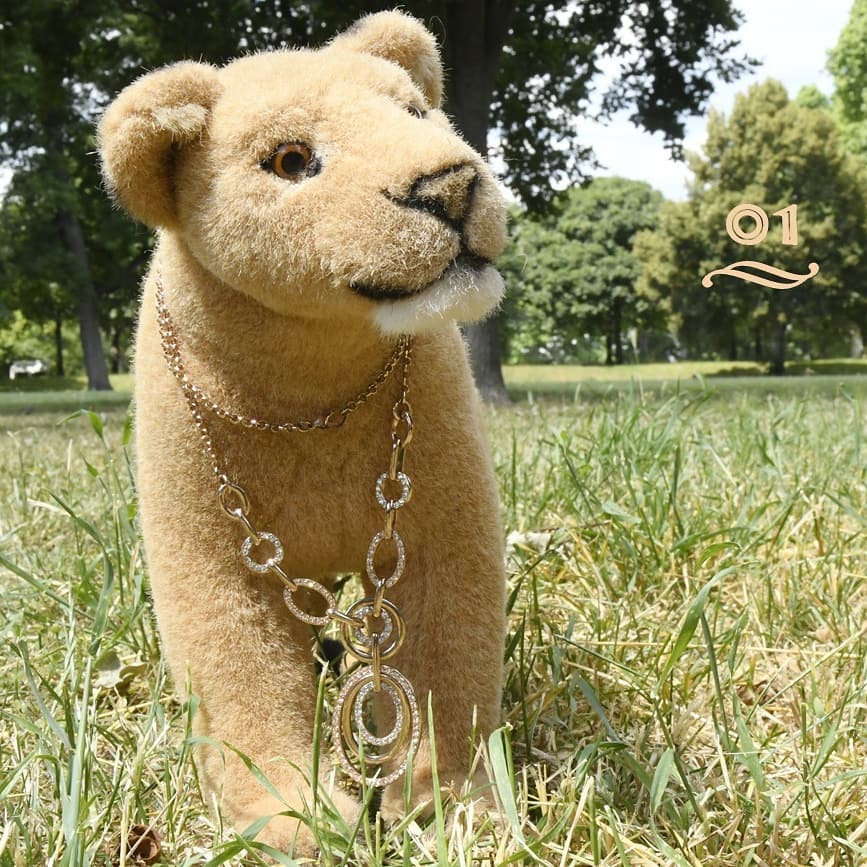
[(54, 394), (686, 659), (593, 380), (68, 394)]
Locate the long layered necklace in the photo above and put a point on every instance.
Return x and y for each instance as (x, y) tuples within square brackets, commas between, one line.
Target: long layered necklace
[(372, 628)]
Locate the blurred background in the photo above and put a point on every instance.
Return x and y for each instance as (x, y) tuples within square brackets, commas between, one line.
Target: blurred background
[(623, 132)]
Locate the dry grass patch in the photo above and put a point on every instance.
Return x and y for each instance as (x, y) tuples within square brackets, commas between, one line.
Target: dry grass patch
[(686, 665)]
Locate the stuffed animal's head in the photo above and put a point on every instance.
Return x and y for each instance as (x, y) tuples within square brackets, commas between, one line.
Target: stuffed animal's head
[(318, 181)]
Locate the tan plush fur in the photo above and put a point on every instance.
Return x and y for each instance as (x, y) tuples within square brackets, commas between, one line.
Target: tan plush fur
[(287, 295)]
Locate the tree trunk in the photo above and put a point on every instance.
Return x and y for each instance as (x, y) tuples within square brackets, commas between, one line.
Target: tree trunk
[(856, 342), (758, 347), (88, 316), (483, 340), (118, 359), (475, 33), (733, 341), (778, 360), (91, 344), (59, 368), (617, 329), (73, 239)]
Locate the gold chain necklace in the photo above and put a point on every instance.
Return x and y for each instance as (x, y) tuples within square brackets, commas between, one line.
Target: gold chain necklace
[(372, 628)]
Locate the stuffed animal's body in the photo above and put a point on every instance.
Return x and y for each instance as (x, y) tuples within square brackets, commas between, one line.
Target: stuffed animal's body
[(289, 273)]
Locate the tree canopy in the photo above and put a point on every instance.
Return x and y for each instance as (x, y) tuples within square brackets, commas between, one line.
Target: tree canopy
[(574, 272), (848, 65)]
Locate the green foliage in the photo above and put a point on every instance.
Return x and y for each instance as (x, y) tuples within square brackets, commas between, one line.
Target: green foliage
[(42, 285), (810, 96), (22, 338), (64, 249), (771, 152), (19, 338), (572, 273), (674, 53), (848, 65)]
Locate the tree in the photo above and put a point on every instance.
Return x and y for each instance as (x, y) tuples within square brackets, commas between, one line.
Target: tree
[(527, 68), (30, 281), (848, 65), (534, 321), (575, 267), (61, 62), (41, 44), (772, 153), (41, 276), (536, 65)]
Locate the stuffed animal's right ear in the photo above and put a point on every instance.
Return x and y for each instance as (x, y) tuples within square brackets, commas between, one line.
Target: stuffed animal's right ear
[(141, 129)]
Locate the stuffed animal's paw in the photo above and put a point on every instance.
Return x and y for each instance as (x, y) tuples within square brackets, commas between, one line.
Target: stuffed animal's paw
[(289, 834), (453, 785)]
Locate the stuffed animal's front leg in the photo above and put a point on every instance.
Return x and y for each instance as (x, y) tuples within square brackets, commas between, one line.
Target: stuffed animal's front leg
[(452, 598), (249, 663)]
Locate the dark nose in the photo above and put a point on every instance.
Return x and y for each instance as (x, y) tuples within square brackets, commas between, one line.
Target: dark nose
[(446, 194)]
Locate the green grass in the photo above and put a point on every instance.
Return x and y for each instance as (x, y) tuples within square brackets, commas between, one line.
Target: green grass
[(119, 381), (686, 658), (55, 394), (47, 394), (682, 370), (594, 380)]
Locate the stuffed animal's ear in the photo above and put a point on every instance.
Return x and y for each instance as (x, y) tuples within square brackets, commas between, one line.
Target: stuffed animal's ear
[(404, 40), (141, 130)]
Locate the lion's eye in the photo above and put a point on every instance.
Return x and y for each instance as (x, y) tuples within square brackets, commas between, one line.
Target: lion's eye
[(415, 111), (290, 161)]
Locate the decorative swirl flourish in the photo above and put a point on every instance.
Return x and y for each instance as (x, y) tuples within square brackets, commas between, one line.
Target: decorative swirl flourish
[(785, 279)]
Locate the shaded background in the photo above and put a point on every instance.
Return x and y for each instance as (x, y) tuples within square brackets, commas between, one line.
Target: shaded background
[(525, 78)]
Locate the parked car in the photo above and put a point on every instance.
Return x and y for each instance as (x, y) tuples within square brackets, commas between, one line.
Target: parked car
[(27, 367)]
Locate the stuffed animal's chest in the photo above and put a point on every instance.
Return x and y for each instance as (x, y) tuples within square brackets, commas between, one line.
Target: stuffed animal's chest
[(314, 490)]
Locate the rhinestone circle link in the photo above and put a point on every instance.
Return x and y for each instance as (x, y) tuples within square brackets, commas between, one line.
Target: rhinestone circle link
[(388, 625), (274, 560), (390, 639), (358, 715), (405, 492)]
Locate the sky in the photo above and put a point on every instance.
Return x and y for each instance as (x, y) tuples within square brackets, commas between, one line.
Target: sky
[(791, 38)]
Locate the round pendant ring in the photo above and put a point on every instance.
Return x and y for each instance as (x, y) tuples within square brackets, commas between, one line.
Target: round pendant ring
[(405, 492), (360, 643), (300, 613), (358, 715), (273, 560), (375, 542), (356, 746)]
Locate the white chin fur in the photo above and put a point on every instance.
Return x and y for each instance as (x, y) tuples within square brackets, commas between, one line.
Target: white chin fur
[(463, 294)]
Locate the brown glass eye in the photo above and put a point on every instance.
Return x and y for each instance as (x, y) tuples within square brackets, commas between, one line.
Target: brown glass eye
[(291, 161)]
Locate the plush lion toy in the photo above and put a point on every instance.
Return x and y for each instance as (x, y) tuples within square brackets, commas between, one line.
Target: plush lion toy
[(298, 376)]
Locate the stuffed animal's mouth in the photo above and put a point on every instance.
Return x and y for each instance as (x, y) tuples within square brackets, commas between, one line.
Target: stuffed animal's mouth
[(467, 290), (463, 262)]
